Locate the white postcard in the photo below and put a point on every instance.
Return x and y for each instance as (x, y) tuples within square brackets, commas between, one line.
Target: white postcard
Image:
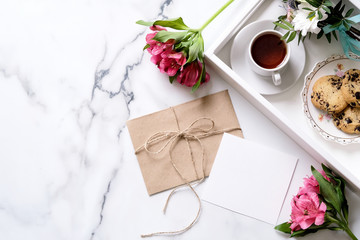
[(249, 178)]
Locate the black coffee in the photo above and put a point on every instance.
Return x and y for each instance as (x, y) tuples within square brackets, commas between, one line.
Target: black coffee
[(268, 50)]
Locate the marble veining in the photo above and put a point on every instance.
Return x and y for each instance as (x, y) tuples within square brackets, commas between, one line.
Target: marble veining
[(102, 206), (71, 74), (102, 73)]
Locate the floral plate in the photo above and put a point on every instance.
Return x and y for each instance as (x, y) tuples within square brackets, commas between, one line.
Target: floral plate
[(320, 120)]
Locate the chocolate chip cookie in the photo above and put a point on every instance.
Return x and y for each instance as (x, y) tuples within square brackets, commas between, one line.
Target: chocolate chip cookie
[(351, 87), (327, 95), (348, 120)]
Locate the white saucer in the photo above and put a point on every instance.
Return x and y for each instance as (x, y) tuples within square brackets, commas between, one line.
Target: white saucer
[(264, 85)]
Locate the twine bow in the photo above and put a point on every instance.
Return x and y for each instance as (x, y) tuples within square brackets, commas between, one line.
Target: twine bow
[(348, 44), (191, 133)]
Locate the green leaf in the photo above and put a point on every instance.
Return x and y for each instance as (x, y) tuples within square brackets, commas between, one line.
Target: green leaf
[(163, 36), (302, 233), (172, 78), (195, 49), (349, 22), (327, 190), (327, 170), (175, 23), (141, 22), (201, 52), (303, 38), (335, 228), (201, 78), (196, 86), (327, 3), (282, 25), (288, 24), (328, 37), (335, 35), (337, 6), (330, 208), (347, 26), (299, 38), (341, 196), (291, 37), (308, 9), (182, 45), (146, 46), (346, 212), (311, 15), (320, 34), (336, 25), (285, 36), (282, 18), (284, 227), (342, 9), (348, 13), (315, 3), (320, 14), (312, 229), (326, 9), (345, 207)]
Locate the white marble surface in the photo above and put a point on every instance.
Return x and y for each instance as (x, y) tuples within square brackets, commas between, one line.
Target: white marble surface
[(71, 74)]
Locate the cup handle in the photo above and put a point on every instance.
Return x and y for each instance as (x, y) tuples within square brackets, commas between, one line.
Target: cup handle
[(276, 78)]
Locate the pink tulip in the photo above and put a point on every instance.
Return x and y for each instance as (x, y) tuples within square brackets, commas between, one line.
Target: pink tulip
[(306, 210), (190, 74)]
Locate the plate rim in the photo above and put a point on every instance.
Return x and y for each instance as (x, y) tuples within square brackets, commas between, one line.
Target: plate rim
[(304, 96), (300, 45)]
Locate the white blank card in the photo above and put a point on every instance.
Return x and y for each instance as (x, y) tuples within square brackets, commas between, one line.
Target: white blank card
[(249, 178)]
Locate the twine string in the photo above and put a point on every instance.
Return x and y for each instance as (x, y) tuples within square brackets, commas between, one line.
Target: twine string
[(192, 132)]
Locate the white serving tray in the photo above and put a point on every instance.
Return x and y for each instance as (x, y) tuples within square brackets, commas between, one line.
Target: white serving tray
[(276, 108)]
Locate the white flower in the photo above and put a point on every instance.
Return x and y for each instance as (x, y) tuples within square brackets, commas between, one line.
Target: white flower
[(304, 24)]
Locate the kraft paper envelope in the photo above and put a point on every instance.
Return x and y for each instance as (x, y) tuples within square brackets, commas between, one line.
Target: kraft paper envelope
[(157, 170), (250, 178)]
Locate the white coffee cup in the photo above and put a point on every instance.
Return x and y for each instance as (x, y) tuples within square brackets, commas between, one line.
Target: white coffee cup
[(266, 56)]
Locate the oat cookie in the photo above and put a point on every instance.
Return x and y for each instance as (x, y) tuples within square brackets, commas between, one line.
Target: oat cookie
[(348, 120), (326, 94), (351, 87)]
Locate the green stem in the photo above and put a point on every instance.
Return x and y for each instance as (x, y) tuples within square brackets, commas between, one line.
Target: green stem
[(215, 15), (343, 219), (343, 225), (333, 219), (348, 231)]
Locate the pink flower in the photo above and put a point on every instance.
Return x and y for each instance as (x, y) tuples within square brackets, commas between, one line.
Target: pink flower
[(289, 14), (157, 28), (311, 184), (168, 60), (156, 47), (306, 210), (190, 74), (171, 62)]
